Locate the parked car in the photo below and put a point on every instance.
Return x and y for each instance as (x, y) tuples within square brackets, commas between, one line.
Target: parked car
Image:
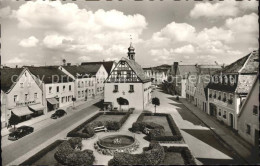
[(59, 113), (20, 132)]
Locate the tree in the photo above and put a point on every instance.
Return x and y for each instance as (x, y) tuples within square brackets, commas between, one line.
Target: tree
[(155, 102), (122, 101), (14, 120), (73, 99)]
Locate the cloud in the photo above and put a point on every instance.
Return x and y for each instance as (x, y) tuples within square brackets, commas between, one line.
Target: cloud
[(80, 31), (30, 42), (189, 49), (84, 58), (229, 8), (15, 60), (5, 12)]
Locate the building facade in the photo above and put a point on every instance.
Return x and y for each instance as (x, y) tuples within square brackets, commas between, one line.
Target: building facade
[(128, 82), (157, 74), (20, 95), (229, 87), (58, 87), (248, 118)]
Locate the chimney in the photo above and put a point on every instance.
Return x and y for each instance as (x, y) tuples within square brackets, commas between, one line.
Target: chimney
[(16, 66), (175, 66)]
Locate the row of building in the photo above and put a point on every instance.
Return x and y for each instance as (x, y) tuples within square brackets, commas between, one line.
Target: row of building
[(228, 93), (32, 91)]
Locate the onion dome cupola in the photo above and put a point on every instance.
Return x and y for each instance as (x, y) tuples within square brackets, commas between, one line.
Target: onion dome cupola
[(131, 52)]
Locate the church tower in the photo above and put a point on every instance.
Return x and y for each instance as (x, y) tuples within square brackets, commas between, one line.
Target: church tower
[(131, 52)]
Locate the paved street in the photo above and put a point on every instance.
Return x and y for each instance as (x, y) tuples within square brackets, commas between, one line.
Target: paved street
[(200, 139), (27, 143)]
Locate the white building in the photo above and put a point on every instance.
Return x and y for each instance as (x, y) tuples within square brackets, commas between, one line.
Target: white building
[(89, 80), (20, 95), (58, 87), (248, 118), (128, 81), (230, 86)]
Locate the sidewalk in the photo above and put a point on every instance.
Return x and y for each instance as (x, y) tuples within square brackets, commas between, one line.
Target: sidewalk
[(78, 106), (226, 136)]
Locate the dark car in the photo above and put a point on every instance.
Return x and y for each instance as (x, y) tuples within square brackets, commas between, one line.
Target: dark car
[(20, 132), (59, 113)]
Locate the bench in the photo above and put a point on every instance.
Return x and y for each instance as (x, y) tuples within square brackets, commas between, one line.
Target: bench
[(101, 128)]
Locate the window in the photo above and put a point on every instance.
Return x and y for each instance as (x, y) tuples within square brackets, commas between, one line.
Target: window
[(26, 97), (89, 83), (255, 110), (97, 80), (225, 114), (219, 112), (115, 88), (82, 84), (15, 98), (69, 87), (82, 93), (62, 99), (50, 89), (97, 89), (248, 129), (78, 84), (215, 94), (230, 100), (232, 80), (63, 87), (58, 88), (78, 93), (21, 85), (86, 83), (35, 95), (131, 88)]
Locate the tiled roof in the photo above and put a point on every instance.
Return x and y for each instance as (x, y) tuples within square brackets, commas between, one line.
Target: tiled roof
[(137, 69), (247, 64), (90, 69), (107, 64), (50, 74), (7, 74), (208, 69), (245, 83)]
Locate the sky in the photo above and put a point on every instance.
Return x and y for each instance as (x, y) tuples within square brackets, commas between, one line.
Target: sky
[(203, 32)]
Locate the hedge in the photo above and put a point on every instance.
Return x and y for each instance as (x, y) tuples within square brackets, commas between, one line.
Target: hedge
[(89, 126), (153, 156), (158, 134), (185, 153), (41, 153), (67, 154)]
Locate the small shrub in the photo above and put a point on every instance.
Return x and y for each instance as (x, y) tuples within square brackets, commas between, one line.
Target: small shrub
[(112, 125), (75, 142)]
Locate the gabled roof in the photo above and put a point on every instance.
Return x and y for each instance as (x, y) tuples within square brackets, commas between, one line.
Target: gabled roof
[(78, 71), (9, 76), (137, 69), (245, 83), (246, 64), (107, 64), (50, 74)]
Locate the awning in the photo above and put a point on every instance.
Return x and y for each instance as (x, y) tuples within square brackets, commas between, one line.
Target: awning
[(21, 111), (52, 101), (37, 107)]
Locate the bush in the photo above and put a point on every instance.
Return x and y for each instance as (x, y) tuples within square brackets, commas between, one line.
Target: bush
[(89, 131), (153, 156), (112, 125), (76, 142), (67, 155), (157, 132)]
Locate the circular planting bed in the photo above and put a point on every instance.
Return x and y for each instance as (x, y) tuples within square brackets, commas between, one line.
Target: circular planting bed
[(110, 144)]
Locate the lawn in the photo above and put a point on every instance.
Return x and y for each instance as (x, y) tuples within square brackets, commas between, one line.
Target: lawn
[(173, 158), (45, 156), (162, 120), (109, 117)]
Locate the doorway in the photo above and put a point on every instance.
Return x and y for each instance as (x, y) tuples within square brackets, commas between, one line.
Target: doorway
[(231, 119)]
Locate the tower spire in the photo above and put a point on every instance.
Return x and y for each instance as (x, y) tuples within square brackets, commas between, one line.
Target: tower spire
[(131, 50)]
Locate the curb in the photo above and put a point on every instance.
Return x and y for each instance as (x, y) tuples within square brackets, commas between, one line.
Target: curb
[(219, 138)]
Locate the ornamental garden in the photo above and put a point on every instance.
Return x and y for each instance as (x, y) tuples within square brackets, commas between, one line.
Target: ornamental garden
[(119, 138)]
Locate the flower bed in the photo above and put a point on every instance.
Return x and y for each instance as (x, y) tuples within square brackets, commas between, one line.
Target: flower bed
[(177, 156), (45, 156), (158, 134), (86, 129)]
